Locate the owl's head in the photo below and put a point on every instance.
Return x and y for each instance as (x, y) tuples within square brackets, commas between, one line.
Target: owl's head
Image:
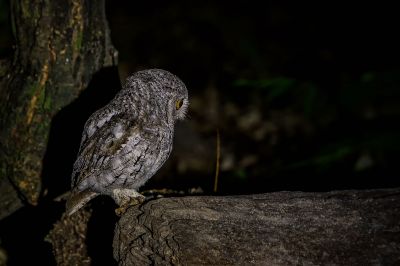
[(165, 88)]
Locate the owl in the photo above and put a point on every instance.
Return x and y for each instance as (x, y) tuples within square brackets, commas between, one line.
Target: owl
[(125, 142)]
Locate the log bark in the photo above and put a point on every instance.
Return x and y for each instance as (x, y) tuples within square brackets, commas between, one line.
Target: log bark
[(58, 47), (284, 228)]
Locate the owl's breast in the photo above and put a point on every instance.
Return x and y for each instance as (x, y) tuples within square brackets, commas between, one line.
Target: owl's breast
[(159, 149)]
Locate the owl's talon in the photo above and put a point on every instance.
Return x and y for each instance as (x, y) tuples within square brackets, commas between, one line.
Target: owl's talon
[(132, 202), (120, 211)]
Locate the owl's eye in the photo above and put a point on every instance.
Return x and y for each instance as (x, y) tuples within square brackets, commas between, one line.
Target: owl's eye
[(179, 104)]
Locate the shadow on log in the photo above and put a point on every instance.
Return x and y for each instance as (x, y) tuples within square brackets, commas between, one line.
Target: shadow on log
[(284, 228)]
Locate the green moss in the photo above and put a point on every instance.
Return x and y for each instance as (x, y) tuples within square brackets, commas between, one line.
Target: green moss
[(78, 43), (42, 129), (47, 103), (44, 99), (25, 9), (42, 95), (32, 89)]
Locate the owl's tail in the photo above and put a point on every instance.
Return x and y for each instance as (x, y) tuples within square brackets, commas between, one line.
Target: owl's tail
[(78, 200)]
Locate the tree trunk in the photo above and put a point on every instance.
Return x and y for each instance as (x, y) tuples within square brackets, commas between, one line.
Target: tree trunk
[(285, 228), (59, 45)]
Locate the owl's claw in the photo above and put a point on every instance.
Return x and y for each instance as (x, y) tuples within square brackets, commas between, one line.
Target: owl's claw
[(126, 198), (133, 202)]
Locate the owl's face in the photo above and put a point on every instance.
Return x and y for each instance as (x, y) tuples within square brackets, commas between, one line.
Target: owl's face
[(168, 90), (181, 105)]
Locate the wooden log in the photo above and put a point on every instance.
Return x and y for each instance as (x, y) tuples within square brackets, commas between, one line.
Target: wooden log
[(283, 228)]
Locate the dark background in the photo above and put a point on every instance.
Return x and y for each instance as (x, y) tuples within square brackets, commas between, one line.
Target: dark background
[(305, 97)]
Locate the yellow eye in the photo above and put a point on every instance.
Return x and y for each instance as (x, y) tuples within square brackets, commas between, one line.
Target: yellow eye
[(179, 104)]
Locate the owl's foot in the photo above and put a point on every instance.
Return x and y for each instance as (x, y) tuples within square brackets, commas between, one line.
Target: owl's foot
[(126, 198)]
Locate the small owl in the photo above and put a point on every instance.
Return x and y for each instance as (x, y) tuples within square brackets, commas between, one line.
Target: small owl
[(125, 142)]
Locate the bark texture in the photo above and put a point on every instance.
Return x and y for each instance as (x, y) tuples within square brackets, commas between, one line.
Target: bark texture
[(58, 47), (68, 239), (285, 228)]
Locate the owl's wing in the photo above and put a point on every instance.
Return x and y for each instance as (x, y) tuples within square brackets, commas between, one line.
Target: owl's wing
[(120, 153), (101, 141), (99, 144), (96, 121)]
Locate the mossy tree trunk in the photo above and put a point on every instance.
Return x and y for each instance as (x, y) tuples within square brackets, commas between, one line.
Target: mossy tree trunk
[(58, 47)]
